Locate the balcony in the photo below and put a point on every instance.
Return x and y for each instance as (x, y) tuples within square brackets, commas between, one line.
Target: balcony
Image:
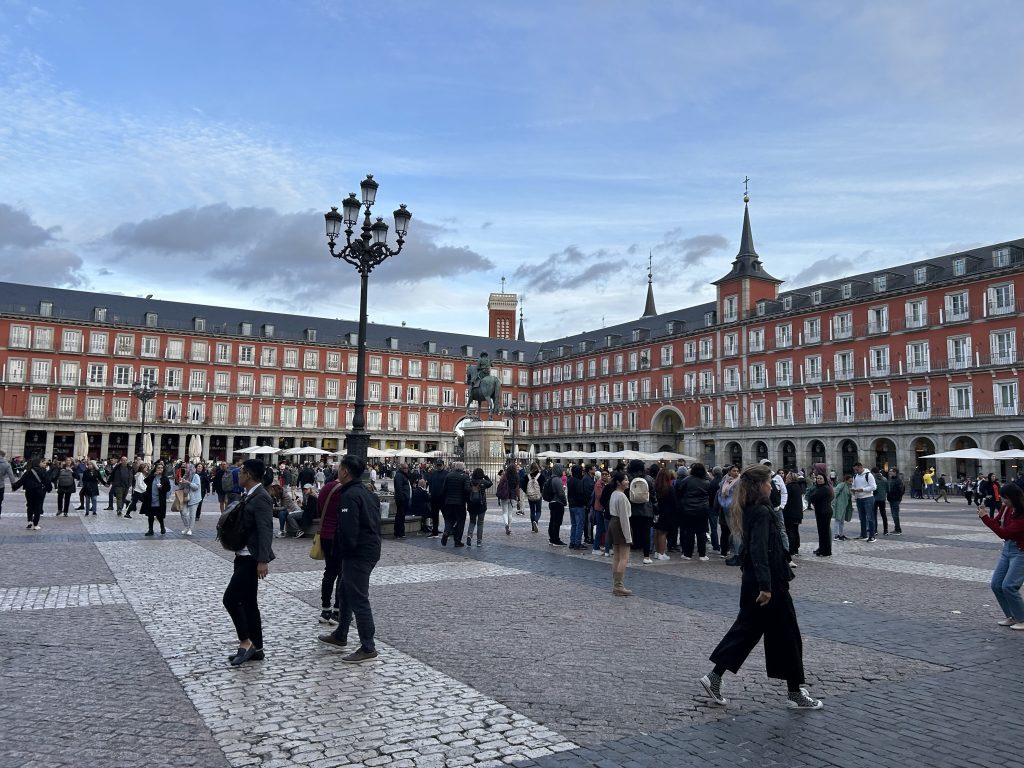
[(843, 332), (878, 327), (784, 380), (879, 370), (996, 308), (844, 374), (958, 315), (846, 418)]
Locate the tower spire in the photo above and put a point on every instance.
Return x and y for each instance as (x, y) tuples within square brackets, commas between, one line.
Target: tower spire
[(649, 308), (522, 333), (747, 263)]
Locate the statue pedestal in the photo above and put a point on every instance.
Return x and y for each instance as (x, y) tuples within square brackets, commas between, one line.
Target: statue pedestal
[(484, 446)]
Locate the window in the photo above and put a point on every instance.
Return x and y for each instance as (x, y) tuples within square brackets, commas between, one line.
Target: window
[(842, 325), (374, 392), (958, 350), (246, 354), (172, 411), (784, 409), (757, 413), (919, 404), (290, 386), (787, 303), (43, 338), (845, 413), (880, 282), (920, 275), (268, 357), (394, 366), (959, 266), (957, 307), (917, 357), (150, 346), (917, 313), (220, 413), (172, 378), (843, 362), (756, 340), (760, 307), (119, 409), (1002, 347), (18, 337), (812, 369), (412, 422), (333, 363), (223, 353), (846, 290), (376, 365), (666, 386), (394, 420), (707, 416), (729, 309), (352, 363), (413, 394), (394, 393), (709, 319), (706, 348), (784, 336), (331, 418), (1000, 299), (433, 422), (289, 414), (783, 373), (69, 373), (268, 384), (243, 415), (291, 358), (878, 320), (46, 308), (732, 414), (150, 319), (97, 375), (310, 417), (37, 406), (1006, 402), (40, 371), (447, 371), (71, 341), (268, 331), (199, 324), (265, 414), (197, 381), (310, 335), (812, 330), (149, 375), (433, 369), (122, 376), (879, 358), (245, 383), (730, 344), (221, 382), (758, 376), (245, 329), (731, 379), (311, 360), (196, 412), (415, 369), (16, 371), (812, 409), (816, 297), (94, 408), (1001, 257), (707, 382), (175, 349), (98, 343), (311, 387), (350, 389), (332, 388), (666, 355), (689, 352), (960, 401)]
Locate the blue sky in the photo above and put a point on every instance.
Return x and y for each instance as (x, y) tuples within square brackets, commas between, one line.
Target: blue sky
[(554, 143)]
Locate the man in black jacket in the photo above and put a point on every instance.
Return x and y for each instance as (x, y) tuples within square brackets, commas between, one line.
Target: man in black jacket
[(403, 495), (435, 486), (456, 497), (251, 564), (121, 483), (357, 547)]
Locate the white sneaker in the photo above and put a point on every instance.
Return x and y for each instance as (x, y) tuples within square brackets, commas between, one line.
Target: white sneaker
[(684, 557), (1019, 625), (606, 553), (279, 535), (648, 561), (35, 527), (184, 531), (660, 556), (1009, 621), (704, 559), (188, 532)]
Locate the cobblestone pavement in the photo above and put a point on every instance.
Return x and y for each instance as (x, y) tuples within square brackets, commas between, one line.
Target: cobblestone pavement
[(112, 653)]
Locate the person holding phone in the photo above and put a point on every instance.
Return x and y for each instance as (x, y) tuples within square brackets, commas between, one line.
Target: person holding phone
[(1008, 575)]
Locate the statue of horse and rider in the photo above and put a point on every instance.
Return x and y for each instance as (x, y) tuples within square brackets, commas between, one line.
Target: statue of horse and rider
[(484, 387)]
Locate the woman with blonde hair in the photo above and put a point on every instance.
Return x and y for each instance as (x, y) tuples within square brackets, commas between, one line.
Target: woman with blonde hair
[(766, 608)]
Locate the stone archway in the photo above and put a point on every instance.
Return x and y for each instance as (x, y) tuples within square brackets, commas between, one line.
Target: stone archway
[(1008, 468), (884, 451), (816, 452), (965, 467), (788, 451), (760, 450), (734, 452), (849, 455), (667, 420), (921, 447)]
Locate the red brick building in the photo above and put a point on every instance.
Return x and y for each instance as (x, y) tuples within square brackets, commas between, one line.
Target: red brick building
[(884, 367)]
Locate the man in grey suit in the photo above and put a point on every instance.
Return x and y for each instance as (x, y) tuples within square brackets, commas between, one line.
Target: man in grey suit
[(251, 563)]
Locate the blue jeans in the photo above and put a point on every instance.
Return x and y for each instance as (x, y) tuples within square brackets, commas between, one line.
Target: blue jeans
[(601, 530), (577, 521), (90, 504), (713, 520), (866, 511), (1007, 579), (534, 510)]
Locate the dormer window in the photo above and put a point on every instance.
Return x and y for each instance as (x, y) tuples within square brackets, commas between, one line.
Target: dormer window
[(150, 319), (99, 314), (709, 319), (46, 308), (1001, 257), (760, 307), (198, 323), (310, 334), (815, 297), (245, 329), (846, 289), (880, 282), (787, 303), (268, 331), (959, 267), (920, 275)]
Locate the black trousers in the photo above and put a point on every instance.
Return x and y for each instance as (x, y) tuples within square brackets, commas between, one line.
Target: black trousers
[(724, 534), (556, 511), (435, 516), (240, 600), (329, 587), (824, 522), (1, 498), (64, 501), (880, 507), (455, 521), (694, 529), (355, 601), (401, 507), (793, 534), (34, 506), (776, 622)]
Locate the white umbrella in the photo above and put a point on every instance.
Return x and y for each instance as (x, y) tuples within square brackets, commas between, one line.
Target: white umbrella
[(671, 456), (81, 444), (258, 450), (411, 453), (1013, 453), (964, 453), (147, 447), (550, 455), (195, 447), (375, 453), (306, 450)]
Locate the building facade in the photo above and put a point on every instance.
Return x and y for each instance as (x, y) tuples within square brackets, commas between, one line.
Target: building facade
[(884, 367)]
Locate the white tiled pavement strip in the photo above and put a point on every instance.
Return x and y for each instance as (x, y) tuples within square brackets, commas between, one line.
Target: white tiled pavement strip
[(300, 581), (940, 570), (66, 596), (302, 706)]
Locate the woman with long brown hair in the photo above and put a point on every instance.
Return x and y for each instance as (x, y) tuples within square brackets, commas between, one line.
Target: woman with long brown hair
[(766, 608), (1008, 575), (668, 512)]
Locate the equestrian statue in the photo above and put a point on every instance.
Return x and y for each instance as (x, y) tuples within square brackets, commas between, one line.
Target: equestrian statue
[(484, 387)]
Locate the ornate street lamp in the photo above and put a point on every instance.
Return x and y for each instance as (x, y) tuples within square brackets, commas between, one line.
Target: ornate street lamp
[(365, 252), (144, 392)]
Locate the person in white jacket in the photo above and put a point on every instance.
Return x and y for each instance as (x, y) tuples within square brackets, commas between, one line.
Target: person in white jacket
[(191, 484), (864, 487)]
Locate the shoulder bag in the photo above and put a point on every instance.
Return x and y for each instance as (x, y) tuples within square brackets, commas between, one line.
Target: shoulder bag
[(317, 551)]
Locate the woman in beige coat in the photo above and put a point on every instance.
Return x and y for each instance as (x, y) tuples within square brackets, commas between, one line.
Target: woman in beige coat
[(620, 532)]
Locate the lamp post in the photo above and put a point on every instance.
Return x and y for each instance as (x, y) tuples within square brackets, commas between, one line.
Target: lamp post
[(143, 392), (365, 252), (513, 411)]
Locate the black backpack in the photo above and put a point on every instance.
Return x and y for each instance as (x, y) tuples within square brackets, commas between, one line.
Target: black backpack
[(232, 532), (475, 496), (548, 493), (226, 481), (775, 497)]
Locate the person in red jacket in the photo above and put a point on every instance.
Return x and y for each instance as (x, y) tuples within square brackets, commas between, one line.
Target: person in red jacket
[(1008, 575)]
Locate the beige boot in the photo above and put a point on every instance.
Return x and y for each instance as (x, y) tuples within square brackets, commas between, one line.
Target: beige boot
[(618, 585)]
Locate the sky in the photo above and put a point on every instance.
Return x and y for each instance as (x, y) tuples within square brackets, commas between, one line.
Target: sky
[(189, 150)]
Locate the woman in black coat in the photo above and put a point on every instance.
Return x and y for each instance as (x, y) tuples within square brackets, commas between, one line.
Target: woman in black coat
[(154, 500), (766, 608), (793, 512), (477, 505), (90, 487), (820, 496), (204, 486), (36, 482), (692, 497)]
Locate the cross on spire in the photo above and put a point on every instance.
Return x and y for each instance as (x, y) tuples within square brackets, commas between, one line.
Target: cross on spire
[(502, 283), (650, 266)]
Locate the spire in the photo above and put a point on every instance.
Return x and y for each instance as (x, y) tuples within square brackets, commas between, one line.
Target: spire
[(522, 334), (747, 263), (746, 238), (649, 309)]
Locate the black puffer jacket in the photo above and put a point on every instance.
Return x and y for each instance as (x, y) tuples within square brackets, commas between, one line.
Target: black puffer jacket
[(692, 496), (764, 560)]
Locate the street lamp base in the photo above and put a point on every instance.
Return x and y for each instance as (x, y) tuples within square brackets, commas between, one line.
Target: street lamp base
[(357, 443)]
